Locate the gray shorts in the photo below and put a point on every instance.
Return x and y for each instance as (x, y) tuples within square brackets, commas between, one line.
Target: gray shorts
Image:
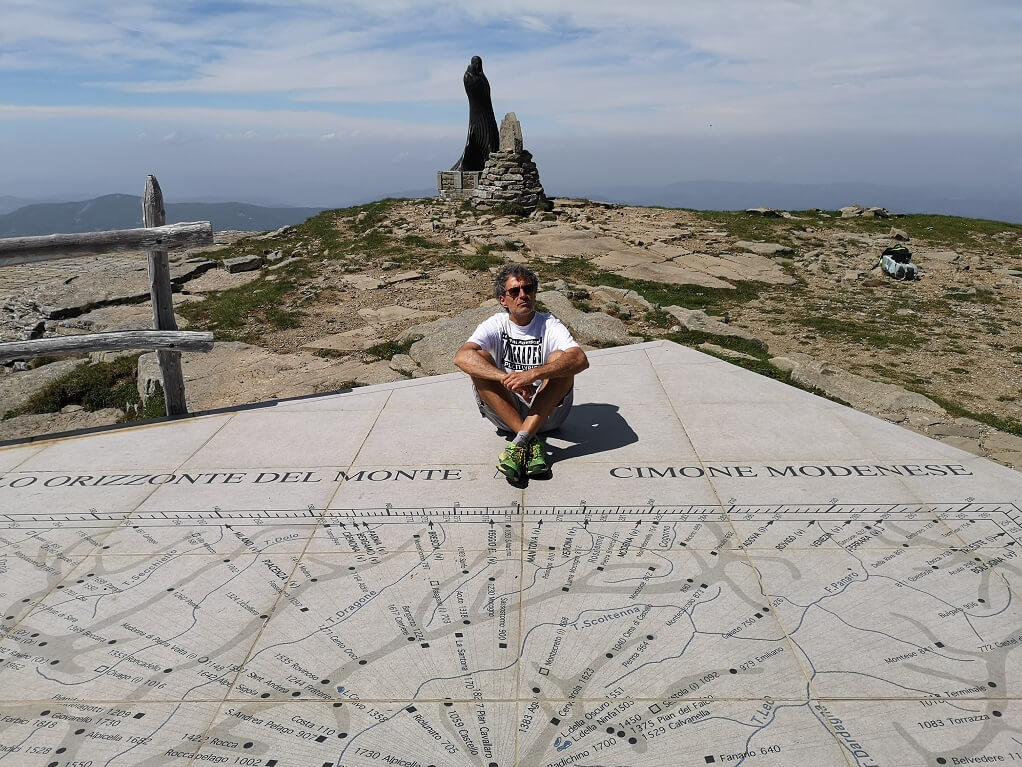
[(554, 421)]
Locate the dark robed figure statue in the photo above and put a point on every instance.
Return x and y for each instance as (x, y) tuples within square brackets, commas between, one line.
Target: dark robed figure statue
[(483, 136)]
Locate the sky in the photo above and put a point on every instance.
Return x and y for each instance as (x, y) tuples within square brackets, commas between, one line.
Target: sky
[(326, 102)]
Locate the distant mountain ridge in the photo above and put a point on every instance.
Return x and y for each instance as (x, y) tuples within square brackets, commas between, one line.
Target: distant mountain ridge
[(124, 211), (9, 203), (733, 195)]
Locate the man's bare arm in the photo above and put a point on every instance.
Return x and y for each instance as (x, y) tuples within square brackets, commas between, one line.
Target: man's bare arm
[(477, 363), (569, 363)]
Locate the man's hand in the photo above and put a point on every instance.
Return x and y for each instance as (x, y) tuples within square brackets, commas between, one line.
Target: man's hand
[(522, 383)]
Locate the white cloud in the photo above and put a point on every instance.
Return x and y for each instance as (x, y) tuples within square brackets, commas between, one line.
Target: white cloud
[(248, 135), (224, 122), (772, 64), (330, 76)]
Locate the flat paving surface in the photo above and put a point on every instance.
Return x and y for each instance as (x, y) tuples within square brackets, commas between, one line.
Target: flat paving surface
[(721, 570)]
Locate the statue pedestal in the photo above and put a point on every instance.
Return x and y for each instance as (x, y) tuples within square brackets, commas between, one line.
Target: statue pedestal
[(510, 180), (456, 184)]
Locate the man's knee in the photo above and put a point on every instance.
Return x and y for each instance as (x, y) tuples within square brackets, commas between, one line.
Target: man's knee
[(490, 390), (558, 386), (551, 395)]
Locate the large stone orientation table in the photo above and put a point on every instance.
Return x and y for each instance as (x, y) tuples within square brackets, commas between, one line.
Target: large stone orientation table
[(721, 570)]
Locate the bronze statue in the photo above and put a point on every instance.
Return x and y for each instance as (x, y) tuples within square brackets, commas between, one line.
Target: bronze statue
[(483, 137)]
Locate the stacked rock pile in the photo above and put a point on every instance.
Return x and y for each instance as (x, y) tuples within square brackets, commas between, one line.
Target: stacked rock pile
[(510, 178)]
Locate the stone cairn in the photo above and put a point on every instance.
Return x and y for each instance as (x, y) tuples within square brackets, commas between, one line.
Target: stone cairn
[(510, 178)]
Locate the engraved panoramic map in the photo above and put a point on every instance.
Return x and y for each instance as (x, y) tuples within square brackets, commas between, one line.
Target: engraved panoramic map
[(730, 574), (646, 635)]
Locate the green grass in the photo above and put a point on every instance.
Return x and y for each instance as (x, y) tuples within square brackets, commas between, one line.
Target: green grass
[(478, 262), (346, 230), (94, 386), (978, 296), (944, 231), (418, 241), (659, 318), (877, 335), (388, 349), (1001, 424), (358, 237), (742, 226), (155, 406), (243, 312), (492, 247), (734, 343), (711, 300), (273, 302), (365, 217)]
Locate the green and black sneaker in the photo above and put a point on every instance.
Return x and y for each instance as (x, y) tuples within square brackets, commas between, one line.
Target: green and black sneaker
[(535, 462), (511, 462)]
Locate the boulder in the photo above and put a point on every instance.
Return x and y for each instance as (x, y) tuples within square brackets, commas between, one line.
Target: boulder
[(899, 234), (16, 388), (967, 444), (765, 248), (861, 393), (961, 427), (721, 351), (49, 424), (404, 365), (247, 263), (698, 320), (111, 280), (588, 328), (440, 340), (785, 364), (623, 296), (358, 339), (407, 276), (281, 264), (236, 373), (1002, 442), (149, 376), (392, 313)]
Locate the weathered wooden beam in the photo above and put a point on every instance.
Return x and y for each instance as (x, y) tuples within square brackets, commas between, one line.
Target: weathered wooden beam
[(24, 250), (120, 340), (154, 215)]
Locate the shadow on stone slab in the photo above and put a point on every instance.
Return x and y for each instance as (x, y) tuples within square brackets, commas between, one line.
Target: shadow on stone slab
[(594, 427)]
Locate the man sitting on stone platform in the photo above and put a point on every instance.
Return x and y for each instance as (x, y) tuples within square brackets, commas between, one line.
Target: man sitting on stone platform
[(523, 365)]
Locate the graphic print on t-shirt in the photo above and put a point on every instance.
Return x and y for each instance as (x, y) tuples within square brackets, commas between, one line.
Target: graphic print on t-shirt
[(521, 353)]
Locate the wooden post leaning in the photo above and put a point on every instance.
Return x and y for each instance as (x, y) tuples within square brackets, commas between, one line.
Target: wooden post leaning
[(154, 214)]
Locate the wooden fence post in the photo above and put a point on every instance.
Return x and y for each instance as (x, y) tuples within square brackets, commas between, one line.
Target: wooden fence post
[(154, 214)]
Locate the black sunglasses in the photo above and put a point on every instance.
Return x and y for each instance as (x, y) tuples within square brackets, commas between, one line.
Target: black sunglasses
[(513, 292)]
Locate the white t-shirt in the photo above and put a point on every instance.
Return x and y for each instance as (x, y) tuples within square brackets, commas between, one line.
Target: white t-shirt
[(521, 348)]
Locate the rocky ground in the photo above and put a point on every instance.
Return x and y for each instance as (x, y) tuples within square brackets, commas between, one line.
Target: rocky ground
[(390, 290)]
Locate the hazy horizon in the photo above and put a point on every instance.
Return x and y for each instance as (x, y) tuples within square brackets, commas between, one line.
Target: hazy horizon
[(309, 104)]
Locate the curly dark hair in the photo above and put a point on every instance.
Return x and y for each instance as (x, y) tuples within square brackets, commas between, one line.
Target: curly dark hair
[(521, 271)]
